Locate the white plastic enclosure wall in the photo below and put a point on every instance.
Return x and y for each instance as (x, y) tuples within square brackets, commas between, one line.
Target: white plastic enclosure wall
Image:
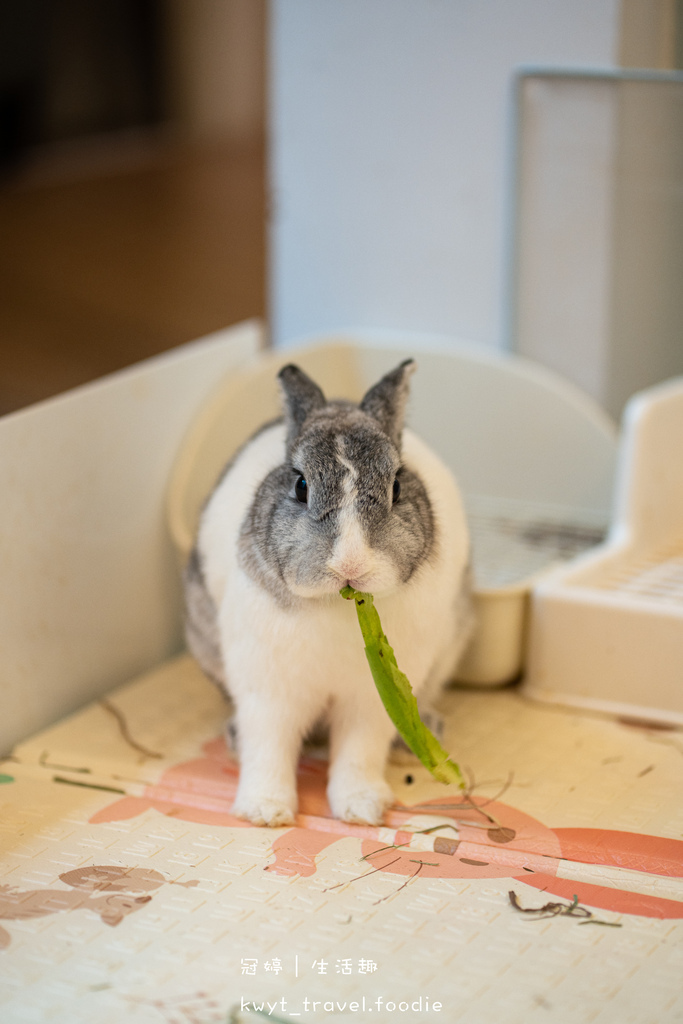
[(89, 590), (607, 631), (90, 594)]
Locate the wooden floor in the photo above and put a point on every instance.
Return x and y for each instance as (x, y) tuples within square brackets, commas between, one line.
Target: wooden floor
[(118, 254)]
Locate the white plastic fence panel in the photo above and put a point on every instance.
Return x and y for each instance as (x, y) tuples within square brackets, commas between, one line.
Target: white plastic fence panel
[(89, 588)]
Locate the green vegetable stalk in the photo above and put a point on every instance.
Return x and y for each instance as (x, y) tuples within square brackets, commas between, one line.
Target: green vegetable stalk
[(397, 694)]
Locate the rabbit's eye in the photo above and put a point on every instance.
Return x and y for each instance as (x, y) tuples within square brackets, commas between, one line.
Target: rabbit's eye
[(301, 490), (396, 490)]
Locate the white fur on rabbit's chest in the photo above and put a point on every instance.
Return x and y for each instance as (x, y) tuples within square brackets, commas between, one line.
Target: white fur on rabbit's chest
[(317, 653)]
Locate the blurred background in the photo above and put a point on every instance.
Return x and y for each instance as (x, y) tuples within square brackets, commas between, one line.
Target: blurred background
[(132, 196), (418, 180)]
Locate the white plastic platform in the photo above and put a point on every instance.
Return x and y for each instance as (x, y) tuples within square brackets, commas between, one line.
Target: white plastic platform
[(607, 631)]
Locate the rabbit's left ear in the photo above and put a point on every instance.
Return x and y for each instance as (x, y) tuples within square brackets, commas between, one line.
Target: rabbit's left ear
[(301, 397), (386, 401)]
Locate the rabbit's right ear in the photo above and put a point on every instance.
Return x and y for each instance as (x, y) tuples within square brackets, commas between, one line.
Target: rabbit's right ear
[(301, 397)]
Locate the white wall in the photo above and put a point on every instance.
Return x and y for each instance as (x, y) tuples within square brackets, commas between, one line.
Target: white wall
[(599, 251), (390, 153)]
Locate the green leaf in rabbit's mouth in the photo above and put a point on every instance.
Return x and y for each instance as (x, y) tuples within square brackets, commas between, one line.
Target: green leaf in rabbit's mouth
[(397, 695)]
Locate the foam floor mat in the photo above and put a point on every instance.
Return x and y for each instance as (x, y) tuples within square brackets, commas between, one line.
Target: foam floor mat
[(128, 891)]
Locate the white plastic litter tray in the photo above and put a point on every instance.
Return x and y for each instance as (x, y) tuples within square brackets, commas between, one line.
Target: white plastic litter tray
[(533, 456), (607, 632)]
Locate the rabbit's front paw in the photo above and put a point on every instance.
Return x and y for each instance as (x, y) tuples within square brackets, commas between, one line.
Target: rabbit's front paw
[(264, 810), (362, 806)]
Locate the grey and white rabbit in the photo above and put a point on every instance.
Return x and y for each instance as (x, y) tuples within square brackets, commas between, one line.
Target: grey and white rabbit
[(333, 494)]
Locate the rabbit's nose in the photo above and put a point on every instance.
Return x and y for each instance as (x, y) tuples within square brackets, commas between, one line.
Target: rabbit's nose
[(349, 571), (350, 555), (350, 563)]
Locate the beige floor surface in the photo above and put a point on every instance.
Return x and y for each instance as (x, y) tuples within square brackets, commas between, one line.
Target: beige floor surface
[(116, 806)]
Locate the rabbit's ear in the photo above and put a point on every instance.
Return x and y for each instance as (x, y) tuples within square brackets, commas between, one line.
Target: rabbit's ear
[(386, 401), (301, 397)]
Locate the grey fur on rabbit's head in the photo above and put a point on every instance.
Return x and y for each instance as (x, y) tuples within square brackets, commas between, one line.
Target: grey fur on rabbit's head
[(341, 508)]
